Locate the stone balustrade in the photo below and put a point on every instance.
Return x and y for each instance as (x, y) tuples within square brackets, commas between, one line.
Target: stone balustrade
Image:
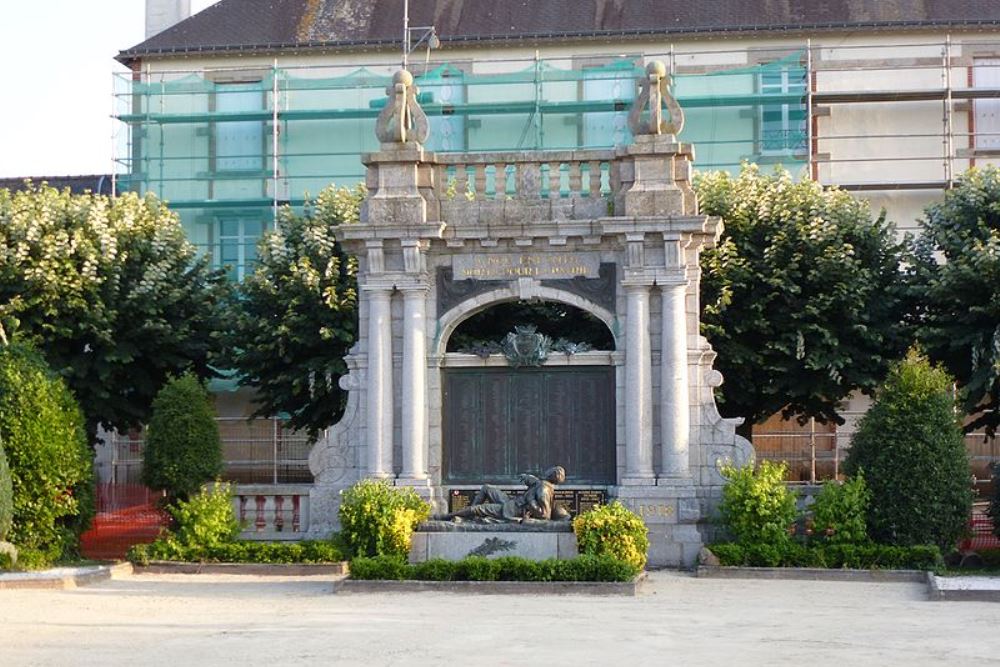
[(272, 512)]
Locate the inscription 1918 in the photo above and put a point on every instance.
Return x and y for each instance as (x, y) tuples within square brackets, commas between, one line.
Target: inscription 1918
[(543, 266)]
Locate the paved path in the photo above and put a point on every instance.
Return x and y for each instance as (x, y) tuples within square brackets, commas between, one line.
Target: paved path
[(183, 620)]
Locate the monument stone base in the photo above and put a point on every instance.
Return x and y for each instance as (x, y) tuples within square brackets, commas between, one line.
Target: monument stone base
[(444, 539), (670, 510)]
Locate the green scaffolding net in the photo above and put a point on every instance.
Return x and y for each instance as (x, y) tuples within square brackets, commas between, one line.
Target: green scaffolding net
[(226, 147)]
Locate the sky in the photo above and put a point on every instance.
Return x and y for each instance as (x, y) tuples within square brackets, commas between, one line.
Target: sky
[(58, 59)]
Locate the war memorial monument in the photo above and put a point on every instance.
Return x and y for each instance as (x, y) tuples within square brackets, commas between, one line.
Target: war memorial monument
[(615, 233)]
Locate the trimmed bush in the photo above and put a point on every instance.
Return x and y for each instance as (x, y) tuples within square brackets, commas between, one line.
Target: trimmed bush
[(377, 519), (613, 530), (835, 556), (757, 506), (183, 450), (239, 551), (911, 449), (508, 568), (6, 497), (840, 509), (50, 463)]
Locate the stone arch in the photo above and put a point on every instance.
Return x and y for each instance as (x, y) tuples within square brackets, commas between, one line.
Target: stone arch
[(451, 319)]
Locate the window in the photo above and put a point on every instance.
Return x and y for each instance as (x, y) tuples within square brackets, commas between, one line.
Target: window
[(239, 144), (782, 126), (612, 84), (236, 246), (447, 129), (986, 74)]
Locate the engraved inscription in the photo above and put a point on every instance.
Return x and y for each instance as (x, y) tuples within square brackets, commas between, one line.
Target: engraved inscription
[(543, 266)]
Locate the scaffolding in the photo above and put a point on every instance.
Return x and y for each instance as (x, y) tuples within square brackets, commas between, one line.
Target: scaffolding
[(228, 146)]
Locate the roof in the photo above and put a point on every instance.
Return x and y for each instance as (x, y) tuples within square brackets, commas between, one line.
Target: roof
[(96, 183), (269, 25)]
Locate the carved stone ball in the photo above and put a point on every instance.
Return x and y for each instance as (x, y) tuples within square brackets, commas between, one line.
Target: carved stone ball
[(656, 67), (403, 77)]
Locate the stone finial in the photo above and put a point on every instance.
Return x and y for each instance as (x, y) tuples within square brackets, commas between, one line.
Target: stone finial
[(402, 119), (654, 94)]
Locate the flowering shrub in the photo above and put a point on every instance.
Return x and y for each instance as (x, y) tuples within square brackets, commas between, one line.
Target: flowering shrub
[(613, 530), (378, 520)]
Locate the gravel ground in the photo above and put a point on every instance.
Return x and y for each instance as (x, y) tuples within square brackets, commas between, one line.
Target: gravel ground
[(678, 620)]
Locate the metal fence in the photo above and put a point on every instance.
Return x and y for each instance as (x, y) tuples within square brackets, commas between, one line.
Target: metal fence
[(255, 451), (815, 452)]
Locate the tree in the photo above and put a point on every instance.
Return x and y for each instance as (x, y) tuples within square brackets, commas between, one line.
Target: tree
[(42, 431), (297, 316), (960, 296), (910, 447), (803, 297), (111, 293), (183, 449)]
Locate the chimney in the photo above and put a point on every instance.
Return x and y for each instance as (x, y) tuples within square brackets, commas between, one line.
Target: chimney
[(161, 14)]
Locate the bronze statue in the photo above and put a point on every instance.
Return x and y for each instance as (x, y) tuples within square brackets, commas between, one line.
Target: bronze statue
[(536, 503)]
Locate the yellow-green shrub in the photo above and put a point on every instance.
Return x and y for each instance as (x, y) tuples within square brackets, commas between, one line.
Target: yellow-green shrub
[(613, 530), (757, 506), (377, 519)]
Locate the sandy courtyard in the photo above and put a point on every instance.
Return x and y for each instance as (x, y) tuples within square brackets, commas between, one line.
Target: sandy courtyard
[(678, 620)]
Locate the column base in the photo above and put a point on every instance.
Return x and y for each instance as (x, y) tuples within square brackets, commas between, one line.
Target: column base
[(420, 482)]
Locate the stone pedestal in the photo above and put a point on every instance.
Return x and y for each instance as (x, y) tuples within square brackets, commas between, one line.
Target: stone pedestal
[(439, 539), (671, 514)]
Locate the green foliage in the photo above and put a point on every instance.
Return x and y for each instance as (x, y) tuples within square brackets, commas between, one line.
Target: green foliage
[(911, 449), (238, 551), (6, 496), (183, 450), (377, 519), (803, 297), (960, 297), (207, 518), (507, 568), (111, 293), (757, 506), (840, 511), (42, 431), (613, 530), (836, 556), (297, 315)]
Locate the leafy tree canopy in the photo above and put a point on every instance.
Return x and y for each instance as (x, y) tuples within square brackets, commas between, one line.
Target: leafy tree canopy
[(960, 294), (803, 297), (297, 316), (110, 291)]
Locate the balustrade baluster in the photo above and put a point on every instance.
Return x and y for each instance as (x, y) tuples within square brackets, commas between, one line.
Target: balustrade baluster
[(480, 183), (554, 178), (500, 181), (279, 521), (595, 178), (575, 179), (296, 514), (461, 181), (260, 523)]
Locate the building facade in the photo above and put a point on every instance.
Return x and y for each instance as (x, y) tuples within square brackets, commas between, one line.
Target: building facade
[(253, 104)]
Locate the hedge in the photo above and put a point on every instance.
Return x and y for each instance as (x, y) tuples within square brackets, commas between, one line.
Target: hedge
[(834, 556), (239, 551), (508, 568)]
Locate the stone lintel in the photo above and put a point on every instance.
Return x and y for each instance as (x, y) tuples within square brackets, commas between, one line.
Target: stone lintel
[(675, 224), (367, 231)]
